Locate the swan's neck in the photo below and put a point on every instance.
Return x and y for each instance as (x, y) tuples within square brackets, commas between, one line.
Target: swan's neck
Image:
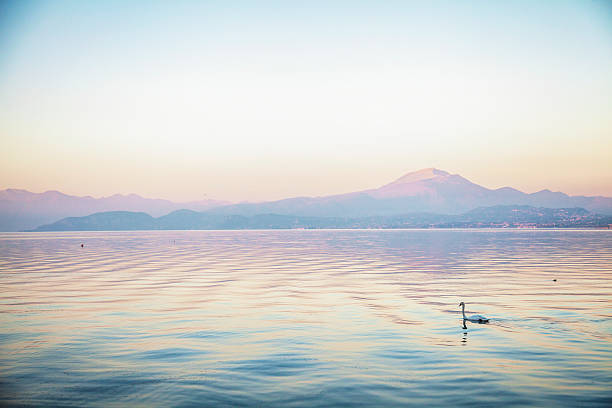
[(463, 311)]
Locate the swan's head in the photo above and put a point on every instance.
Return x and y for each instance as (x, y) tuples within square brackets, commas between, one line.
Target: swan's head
[(461, 304)]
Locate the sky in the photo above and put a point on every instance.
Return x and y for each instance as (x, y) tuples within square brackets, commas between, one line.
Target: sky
[(261, 100)]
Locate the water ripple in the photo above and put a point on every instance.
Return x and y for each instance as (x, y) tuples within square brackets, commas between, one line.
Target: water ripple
[(306, 318)]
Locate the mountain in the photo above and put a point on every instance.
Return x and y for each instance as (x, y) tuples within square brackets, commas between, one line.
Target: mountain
[(21, 209), (104, 221), (491, 217), (428, 190)]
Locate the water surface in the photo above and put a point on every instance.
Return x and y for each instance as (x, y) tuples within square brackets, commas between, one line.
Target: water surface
[(306, 318)]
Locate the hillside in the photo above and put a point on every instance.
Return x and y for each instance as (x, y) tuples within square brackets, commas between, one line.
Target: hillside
[(486, 217)]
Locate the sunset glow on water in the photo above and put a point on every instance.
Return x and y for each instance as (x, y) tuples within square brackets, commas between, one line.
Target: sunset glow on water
[(295, 318)]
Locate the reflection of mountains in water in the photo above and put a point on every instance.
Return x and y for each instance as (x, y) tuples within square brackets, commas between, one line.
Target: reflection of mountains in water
[(488, 217)]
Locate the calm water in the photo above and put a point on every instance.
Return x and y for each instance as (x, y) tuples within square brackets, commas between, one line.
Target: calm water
[(306, 318)]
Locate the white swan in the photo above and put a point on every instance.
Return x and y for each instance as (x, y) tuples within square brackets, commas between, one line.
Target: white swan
[(472, 318)]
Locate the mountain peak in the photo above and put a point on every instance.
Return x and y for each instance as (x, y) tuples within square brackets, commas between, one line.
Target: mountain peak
[(420, 175)]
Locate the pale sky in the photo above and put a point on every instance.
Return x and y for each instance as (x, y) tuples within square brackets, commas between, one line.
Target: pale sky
[(264, 100)]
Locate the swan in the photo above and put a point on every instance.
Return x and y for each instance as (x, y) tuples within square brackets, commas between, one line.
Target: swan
[(472, 318)]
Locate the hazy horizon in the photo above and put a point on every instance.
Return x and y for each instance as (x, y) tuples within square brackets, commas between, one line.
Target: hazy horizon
[(221, 199), (261, 101)]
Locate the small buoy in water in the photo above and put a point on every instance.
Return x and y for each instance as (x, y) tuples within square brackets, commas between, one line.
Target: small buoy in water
[(82, 245)]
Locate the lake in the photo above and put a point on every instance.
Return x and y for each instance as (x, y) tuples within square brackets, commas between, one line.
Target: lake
[(306, 318)]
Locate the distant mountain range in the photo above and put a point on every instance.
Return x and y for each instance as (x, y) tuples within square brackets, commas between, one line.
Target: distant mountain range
[(430, 191), (22, 210), (487, 217)]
